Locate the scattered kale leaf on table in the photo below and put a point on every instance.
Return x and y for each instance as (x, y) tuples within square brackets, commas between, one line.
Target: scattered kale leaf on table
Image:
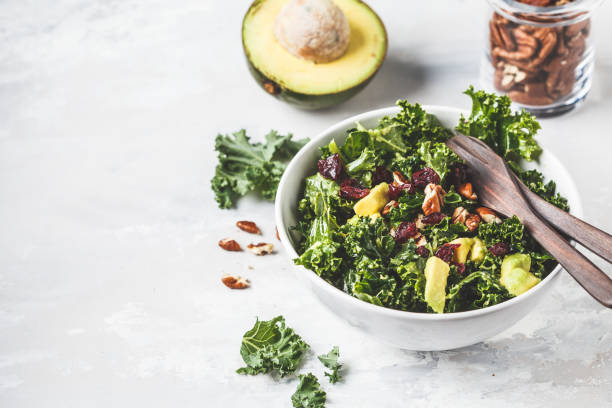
[(271, 346), (244, 166), (308, 393), (330, 360)]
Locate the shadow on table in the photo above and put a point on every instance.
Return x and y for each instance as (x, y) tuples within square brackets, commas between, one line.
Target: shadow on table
[(397, 79)]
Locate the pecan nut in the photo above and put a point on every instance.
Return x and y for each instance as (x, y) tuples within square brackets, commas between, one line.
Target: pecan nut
[(536, 65), (472, 222), (434, 199), (229, 244), (459, 215), (488, 216), (388, 206), (249, 226), (467, 191), (261, 248), (235, 282)]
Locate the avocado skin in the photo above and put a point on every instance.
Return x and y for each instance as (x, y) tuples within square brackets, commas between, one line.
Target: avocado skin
[(302, 100)]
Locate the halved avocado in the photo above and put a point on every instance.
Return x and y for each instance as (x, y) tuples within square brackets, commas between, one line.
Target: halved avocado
[(304, 83)]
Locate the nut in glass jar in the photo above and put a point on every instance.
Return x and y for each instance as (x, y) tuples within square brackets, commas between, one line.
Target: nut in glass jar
[(540, 54)]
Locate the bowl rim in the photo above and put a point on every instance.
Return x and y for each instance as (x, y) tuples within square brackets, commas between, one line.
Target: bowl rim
[(369, 307)]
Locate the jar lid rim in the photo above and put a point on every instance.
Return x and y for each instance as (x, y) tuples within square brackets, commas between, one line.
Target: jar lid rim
[(576, 6)]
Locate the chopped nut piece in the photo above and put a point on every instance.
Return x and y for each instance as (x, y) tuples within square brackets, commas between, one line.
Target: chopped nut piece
[(434, 196), (277, 236), (459, 215), (467, 191), (419, 222), (421, 241), (261, 248), (488, 215), (388, 206), (472, 222), (235, 282), (399, 179), (248, 226), (229, 245)]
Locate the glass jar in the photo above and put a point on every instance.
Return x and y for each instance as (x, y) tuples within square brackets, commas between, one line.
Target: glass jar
[(540, 54)]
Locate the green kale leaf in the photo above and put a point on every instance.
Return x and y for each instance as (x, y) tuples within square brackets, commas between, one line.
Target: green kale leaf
[(511, 231), (510, 134), (308, 393), (330, 360), (409, 205), (270, 345), (477, 290), (325, 210), (437, 156), (535, 181), (416, 124), (244, 166)]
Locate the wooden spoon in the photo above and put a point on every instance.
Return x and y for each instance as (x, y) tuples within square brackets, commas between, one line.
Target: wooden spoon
[(498, 189)]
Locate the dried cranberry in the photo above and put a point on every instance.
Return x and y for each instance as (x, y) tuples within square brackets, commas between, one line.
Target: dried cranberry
[(381, 174), (457, 174), (352, 189), (396, 191), (460, 267), (433, 218), (424, 177), (500, 249), (446, 252), (331, 167), (422, 251), (405, 231)]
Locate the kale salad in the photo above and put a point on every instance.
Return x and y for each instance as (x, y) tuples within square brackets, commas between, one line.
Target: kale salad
[(392, 218)]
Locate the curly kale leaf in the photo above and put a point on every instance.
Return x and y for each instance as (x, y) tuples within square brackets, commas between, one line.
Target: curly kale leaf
[(330, 360), (443, 232), (510, 134), (244, 166), (416, 124), (409, 205), (535, 181), (476, 291), (437, 156), (511, 231), (368, 247), (271, 345), (326, 210), (308, 393), (410, 294)]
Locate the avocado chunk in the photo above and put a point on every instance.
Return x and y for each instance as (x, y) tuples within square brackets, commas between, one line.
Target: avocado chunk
[(515, 275), (373, 202), (436, 273), (461, 253), (479, 250), (305, 83)]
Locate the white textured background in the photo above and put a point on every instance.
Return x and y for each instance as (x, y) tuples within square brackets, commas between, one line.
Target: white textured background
[(109, 265)]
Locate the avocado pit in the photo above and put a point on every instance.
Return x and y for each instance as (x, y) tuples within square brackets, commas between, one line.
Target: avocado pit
[(314, 30)]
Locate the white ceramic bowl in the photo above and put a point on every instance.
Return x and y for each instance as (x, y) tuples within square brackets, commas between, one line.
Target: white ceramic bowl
[(414, 331)]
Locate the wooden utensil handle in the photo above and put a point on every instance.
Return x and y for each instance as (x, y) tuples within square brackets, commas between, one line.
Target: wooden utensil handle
[(589, 276), (594, 239)]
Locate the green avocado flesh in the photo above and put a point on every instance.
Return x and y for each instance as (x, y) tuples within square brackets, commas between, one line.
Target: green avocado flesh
[(305, 83), (436, 273), (515, 275)]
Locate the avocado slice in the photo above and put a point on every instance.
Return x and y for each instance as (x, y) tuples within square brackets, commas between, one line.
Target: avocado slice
[(304, 83), (479, 250), (515, 275), (436, 273), (373, 202), (461, 253)]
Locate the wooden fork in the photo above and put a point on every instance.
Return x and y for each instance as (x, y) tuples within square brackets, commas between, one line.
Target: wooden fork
[(499, 189)]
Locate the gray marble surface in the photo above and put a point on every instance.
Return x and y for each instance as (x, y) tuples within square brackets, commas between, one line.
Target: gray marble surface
[(109, 265)]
